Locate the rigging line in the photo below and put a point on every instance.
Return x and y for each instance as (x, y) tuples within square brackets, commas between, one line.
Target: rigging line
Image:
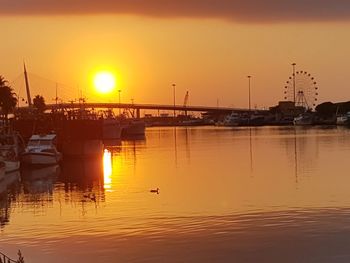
[(50, 80), (16, 79), (68, 90)]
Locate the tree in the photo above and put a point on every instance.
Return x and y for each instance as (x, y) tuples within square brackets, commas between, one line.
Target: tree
[(8, 99), (326, 109), (39, 103)]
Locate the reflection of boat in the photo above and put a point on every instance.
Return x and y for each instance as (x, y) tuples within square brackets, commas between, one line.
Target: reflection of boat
[(11, 145), (8, 180), (82, 171), (40, 180), (343, 119), (41, 150), (303, 119), (40, 173)]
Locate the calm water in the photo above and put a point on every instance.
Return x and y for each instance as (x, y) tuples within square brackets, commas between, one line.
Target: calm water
[(226, 195)]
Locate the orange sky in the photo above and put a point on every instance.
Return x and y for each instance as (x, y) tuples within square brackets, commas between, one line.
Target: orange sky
[(209, 57)]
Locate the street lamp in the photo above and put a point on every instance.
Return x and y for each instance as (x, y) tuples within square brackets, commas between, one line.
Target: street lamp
[(249, 77), (293, 65), (174, 87), (119, 100)]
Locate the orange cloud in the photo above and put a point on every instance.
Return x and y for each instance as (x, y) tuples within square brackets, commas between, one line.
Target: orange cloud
[(235, 10)]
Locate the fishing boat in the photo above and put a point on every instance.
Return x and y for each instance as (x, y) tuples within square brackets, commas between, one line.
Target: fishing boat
[(41, 150)]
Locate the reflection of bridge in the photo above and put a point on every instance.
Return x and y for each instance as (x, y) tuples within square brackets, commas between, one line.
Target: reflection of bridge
[(138, 107)]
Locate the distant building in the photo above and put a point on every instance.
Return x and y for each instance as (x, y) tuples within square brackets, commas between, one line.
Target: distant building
[(286, 109)]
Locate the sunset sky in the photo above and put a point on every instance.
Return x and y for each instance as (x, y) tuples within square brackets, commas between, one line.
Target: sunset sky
[(207, 47)]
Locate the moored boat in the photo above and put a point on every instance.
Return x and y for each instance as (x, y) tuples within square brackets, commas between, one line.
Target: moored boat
[(343, 119), (134, 127), (303, 119), (112, 129), (41, 150), (11, 145), (231, 120)]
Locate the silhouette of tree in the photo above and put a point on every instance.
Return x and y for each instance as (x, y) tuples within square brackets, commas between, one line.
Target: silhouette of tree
[(39, 103), (8, 99)]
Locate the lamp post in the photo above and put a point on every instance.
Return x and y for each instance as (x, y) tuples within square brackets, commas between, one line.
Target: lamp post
[(174, 88), (119, 100), (249, 102), (293, 65)]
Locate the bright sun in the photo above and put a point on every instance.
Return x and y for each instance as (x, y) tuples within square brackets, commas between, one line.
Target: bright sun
[(104, 82)]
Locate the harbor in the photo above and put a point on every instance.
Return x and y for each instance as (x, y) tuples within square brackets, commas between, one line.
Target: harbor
[(62, 207), (174, 131)]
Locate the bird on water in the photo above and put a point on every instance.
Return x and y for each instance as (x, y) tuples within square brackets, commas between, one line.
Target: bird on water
[(155, 191)]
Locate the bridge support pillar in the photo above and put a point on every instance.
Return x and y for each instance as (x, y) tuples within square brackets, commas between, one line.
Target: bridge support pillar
[(138, 115)]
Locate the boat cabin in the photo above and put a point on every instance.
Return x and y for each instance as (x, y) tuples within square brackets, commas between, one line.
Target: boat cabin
[(48, 140)]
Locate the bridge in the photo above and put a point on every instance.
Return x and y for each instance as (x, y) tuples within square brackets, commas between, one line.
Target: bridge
[(139, 107)]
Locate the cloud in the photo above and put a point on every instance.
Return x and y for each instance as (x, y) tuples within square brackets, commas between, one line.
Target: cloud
[(235, 10)]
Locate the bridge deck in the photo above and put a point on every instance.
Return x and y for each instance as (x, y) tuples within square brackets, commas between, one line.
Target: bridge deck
[(147, 107)]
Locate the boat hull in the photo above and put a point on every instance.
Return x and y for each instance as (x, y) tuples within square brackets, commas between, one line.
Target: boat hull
[(134, 129), (112, 130), (2, 173), (40, 158), (343, 120), (11, 166)]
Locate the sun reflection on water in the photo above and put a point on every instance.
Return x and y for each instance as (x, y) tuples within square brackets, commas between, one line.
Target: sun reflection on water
[(107, 169)]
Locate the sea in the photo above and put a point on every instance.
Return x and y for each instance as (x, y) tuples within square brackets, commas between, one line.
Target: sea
[(188, 194)]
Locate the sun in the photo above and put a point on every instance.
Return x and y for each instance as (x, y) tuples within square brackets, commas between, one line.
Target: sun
[(104, 82)]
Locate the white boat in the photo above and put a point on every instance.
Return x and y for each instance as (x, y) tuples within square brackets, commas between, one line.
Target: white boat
[(303, 119), (41, 150), (343, 119), (231, 120), (11, 145)]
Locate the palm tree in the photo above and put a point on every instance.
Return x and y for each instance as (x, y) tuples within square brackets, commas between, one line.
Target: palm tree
[(39, 103), (8, 100)]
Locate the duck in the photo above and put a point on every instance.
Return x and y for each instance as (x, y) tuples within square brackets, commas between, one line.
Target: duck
[(90, 196), (155, 191)]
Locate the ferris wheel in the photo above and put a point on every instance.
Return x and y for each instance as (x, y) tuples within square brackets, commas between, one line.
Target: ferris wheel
[(305, 92)]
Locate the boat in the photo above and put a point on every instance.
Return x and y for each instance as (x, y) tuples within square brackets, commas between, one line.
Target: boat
[(11, 145), (112, 129), (133, 127), (256, 120), (343, 119), (303, 119), (231, 120), (41, 150)]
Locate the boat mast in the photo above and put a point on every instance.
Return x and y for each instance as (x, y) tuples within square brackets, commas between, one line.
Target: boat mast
[(29, 99)]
